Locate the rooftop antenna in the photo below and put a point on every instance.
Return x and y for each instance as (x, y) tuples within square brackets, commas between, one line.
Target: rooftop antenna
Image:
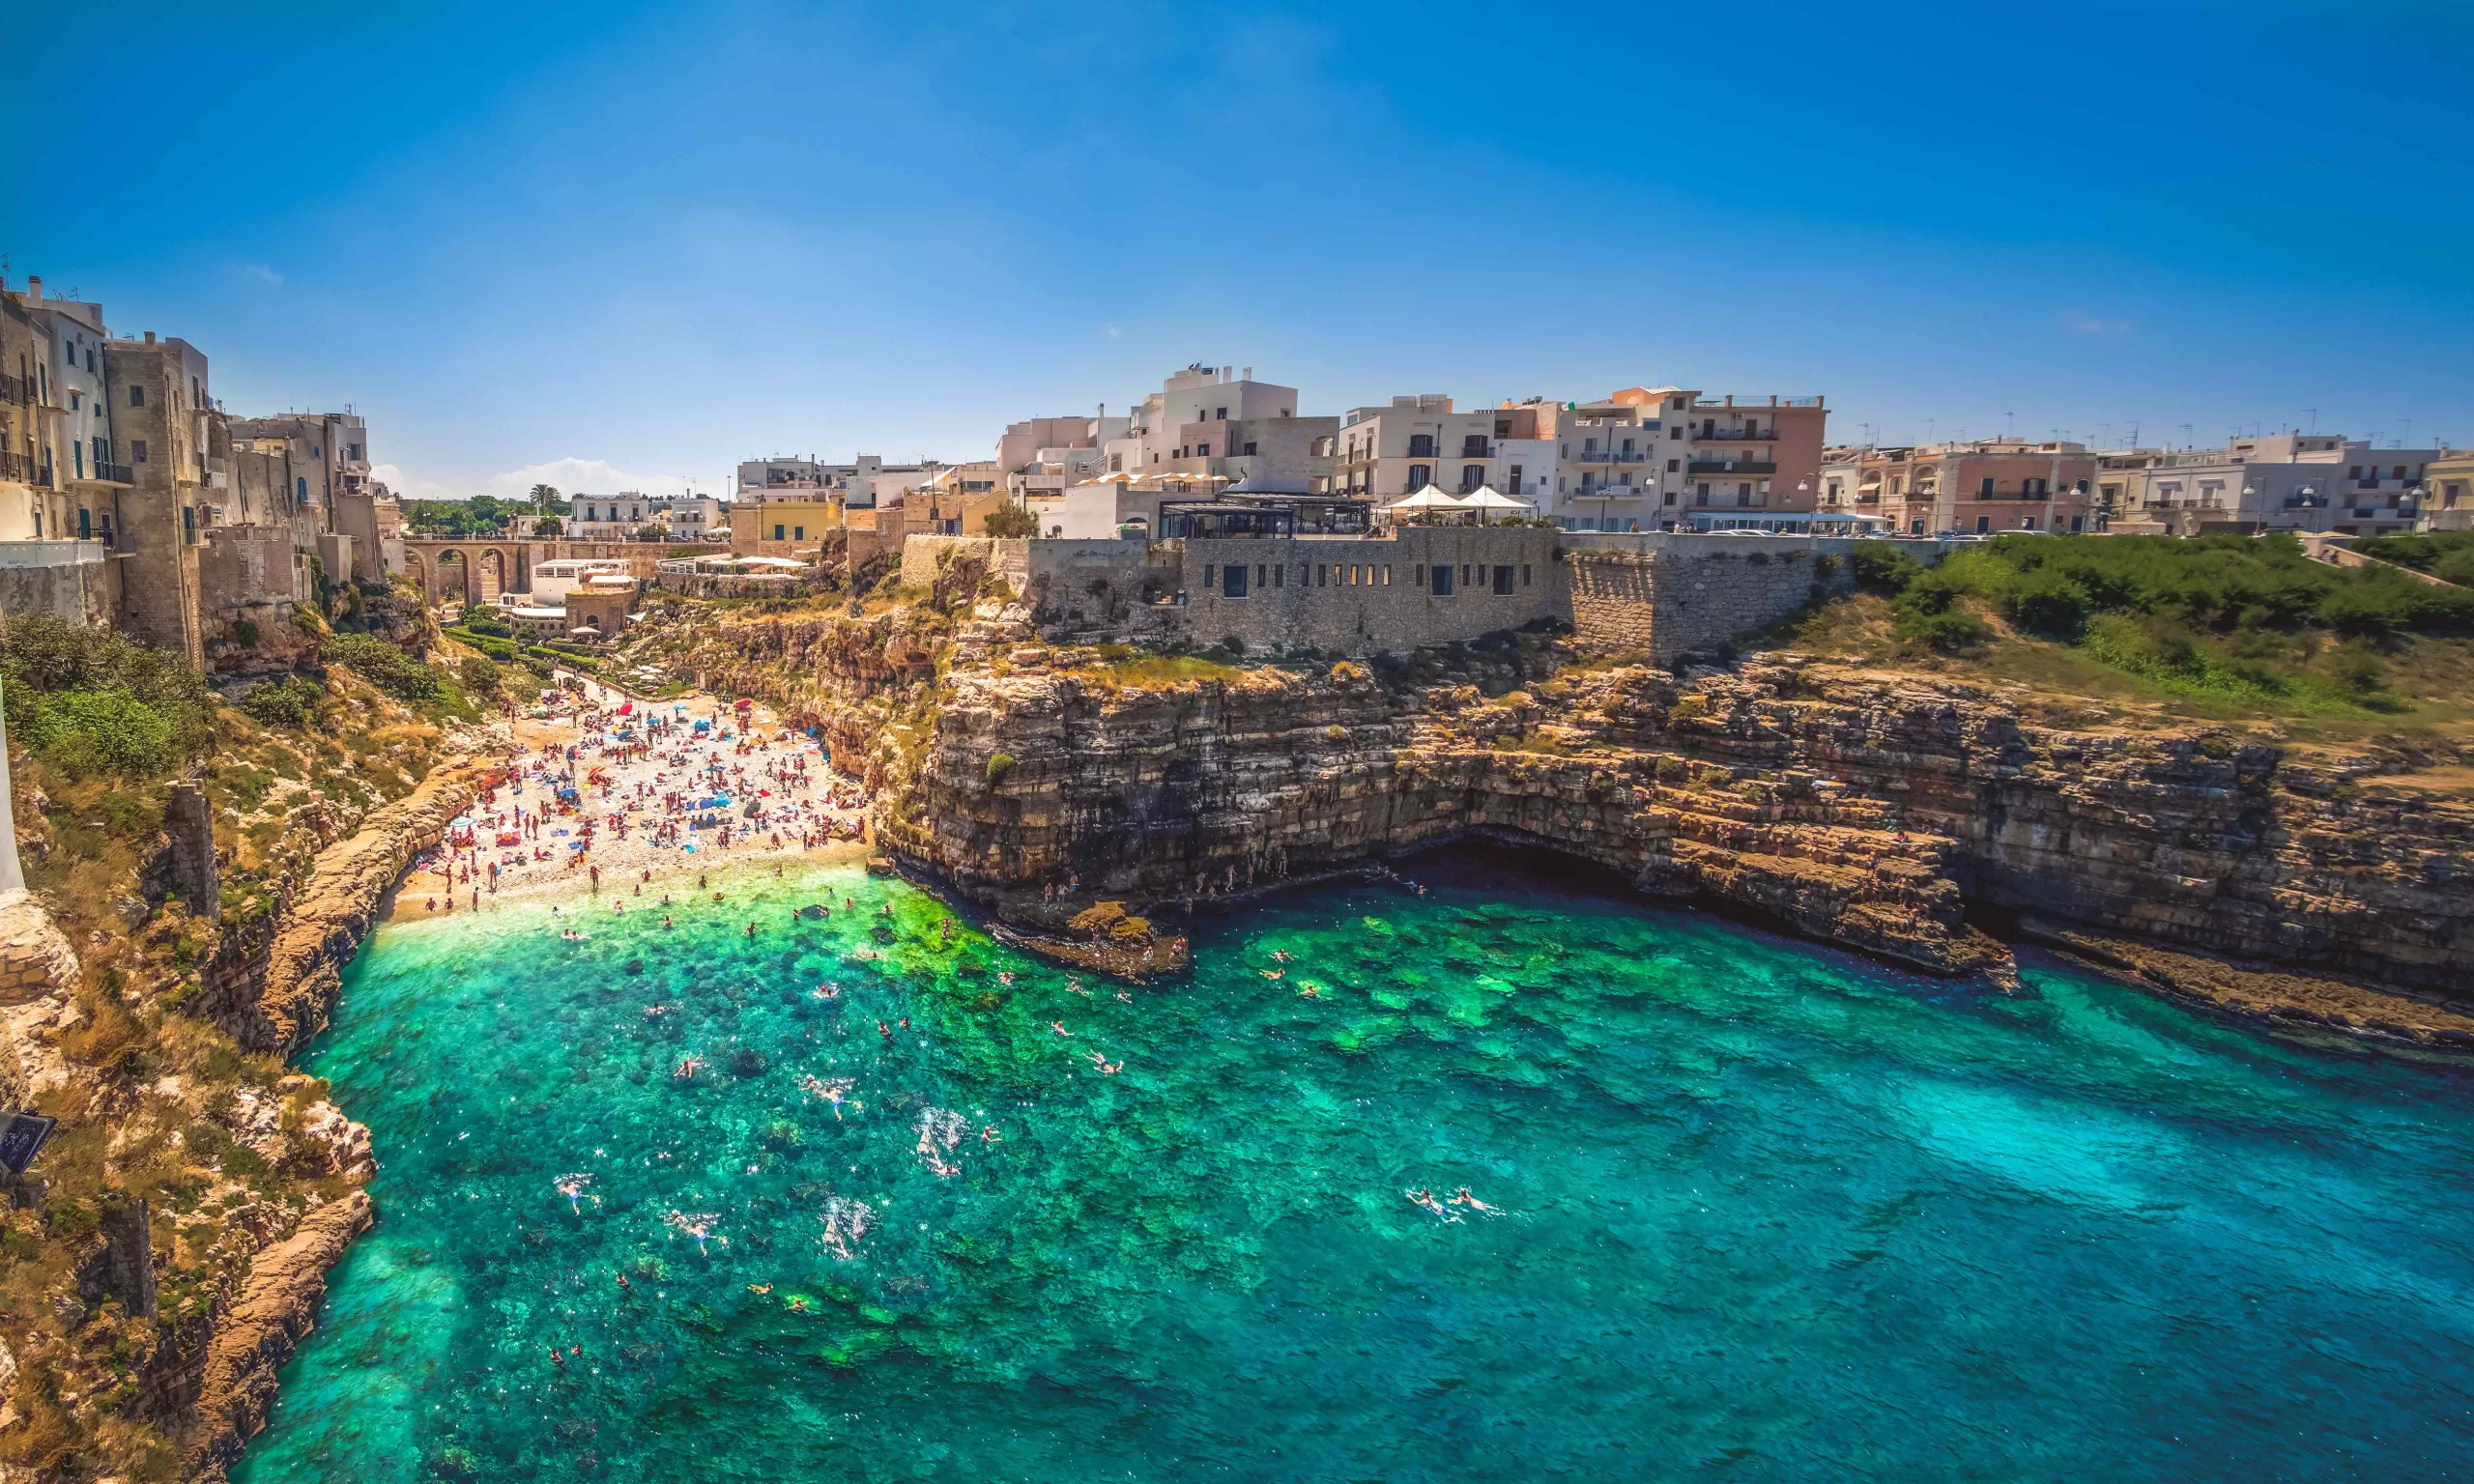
[(2186, 436), (2409, 434), (2315, 417)]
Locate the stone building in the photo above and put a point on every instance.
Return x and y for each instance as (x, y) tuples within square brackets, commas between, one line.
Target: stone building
[(162, 387)]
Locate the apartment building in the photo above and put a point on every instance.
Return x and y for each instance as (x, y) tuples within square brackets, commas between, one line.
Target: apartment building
[(1648, 457), (1388, 452), (2450, 503), (615, 517), (1983, 488), (1163, 423), (2287, 481)]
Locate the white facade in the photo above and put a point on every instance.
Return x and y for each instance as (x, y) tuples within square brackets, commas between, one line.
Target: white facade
[(694, 517), (613, 517), (553, 581), (1198, 393)]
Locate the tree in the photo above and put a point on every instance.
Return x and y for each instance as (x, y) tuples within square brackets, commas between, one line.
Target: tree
[(547, 526), (544, 496), (1012, 521), (652, 533)]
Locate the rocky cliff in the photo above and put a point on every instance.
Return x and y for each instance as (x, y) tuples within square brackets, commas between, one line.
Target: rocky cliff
[(1883, 813)]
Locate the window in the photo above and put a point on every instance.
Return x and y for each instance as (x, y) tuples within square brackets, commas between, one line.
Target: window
[(1232, 583), (798, 532), (1420, 476), (1222, 415), (1675, 431), (90, 357), (85, 523), (1503, 582), (1386, 574), (1322, 575), (1984, 491), (189, 522), (1513, 477), (300, 490), (1422, 446), (1471, 475), (137, 450), (1442, 582), (74, 403), (1279, 575), (1418, 575), (1675, 466), (1250, 450), (137, 396), (777, 535), (1524, 574), (1202, 450), (1983, 524)]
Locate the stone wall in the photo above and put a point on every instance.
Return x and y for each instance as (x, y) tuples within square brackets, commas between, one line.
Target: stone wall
[(248, 572), (1670, 595), (71, 579), (1666, 595)]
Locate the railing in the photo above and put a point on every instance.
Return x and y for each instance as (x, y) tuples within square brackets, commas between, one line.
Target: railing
[(1609, 456), (16, 389), (17, 466), (1475, 448), (1736, 435), (1733, 467), (113, 473)]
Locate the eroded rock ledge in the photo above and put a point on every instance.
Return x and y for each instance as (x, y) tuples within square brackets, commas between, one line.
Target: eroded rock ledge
[(1882, 813)]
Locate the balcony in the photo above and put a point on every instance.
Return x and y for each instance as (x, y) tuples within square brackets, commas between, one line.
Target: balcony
[(111, 474), (16, 391), (1609, 456), (1737, 436), (1734, 467), (17, 466), (1475, 448)]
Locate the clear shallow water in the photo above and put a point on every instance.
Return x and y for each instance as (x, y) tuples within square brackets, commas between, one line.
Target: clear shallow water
[(1770, 1212)]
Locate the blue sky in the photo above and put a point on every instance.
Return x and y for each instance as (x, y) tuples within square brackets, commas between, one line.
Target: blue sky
[(634, 243)]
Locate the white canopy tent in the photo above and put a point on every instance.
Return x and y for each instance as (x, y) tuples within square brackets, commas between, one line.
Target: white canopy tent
[(1484, 501), (1425, 503)]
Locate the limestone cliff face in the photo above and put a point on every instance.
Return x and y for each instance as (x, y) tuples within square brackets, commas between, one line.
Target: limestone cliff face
[(1859, 809)]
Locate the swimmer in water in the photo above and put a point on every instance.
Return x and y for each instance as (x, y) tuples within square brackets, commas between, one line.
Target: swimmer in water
[(624, 1286), (1273, 974), (1006, 977), (759, 1288), (885, 1030), (1306, 989), (1058, 1026), (1279, 956), (1463, 1197), (1125, 997), (990, 1135)]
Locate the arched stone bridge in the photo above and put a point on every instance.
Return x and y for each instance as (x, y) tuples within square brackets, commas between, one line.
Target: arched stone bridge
[(475, 569)]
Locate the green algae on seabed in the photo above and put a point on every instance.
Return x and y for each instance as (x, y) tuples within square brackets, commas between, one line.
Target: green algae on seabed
[(1763, 1210)]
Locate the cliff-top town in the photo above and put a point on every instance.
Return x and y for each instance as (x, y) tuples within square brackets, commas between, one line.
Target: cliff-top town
[(131, 497)]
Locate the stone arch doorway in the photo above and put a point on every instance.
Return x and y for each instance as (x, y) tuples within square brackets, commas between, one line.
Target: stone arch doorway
[(490, 575), (455, 575)]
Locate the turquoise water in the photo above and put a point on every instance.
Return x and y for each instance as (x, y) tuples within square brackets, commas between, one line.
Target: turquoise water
[(1762, 1211)]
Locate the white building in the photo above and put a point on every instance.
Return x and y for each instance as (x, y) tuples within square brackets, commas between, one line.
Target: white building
[(2287, 481), (695, 518), (1162, 430), (614, 517)]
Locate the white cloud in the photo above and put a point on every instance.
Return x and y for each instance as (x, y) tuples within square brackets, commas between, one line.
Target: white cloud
[(2079, 322), (569, 476), (261, 272)]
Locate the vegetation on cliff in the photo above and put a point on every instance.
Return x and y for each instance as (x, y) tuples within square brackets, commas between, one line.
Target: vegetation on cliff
[(2238, 625), (180, 1155)]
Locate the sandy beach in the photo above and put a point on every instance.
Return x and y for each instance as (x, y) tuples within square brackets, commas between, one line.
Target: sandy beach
[(642, 797)]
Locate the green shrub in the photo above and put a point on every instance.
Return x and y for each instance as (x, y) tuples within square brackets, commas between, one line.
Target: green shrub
[(385, 667), (83, 732), (1012, 522), (480, 676), (245, 632), (998, 765), (291, 701), (1883, 568)]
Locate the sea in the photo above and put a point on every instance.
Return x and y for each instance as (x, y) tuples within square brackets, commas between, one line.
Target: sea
[(1490, 1172)]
